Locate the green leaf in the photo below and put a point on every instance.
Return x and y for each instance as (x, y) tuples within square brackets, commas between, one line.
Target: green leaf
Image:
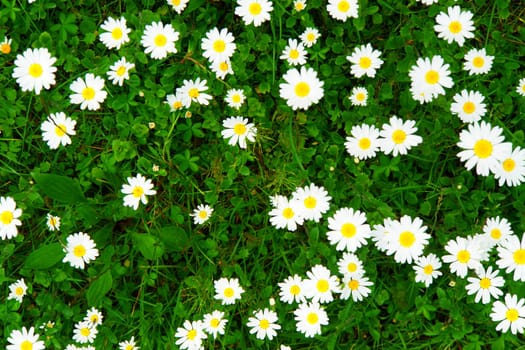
[(44, 257), (60, 188), (123, 150), (99, 288), (174, 238), (148, 245)]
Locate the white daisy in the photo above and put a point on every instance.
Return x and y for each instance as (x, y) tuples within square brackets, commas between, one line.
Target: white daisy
[(174, 101), (254, 11), (116, 33), (320, 285), (364, 142), (355, 286), (358, 96), (136, 190), (228, 290), (463, 254), (88, 92), (309, 318), (237, 130), (314, 199), (178, 5), (427, 269), (349, 265), (348, 229), (221, 68), (235, 98), (218, 45), (214, 323), (5, 46), (477, 62), (510, 170), (301, 88), (468, 106), (342, 9), (9, 215), (264, 324), (17, 290), (190, 335), (128, 344), (57, 129), (485, 285), (294, 53), (159, 40), (119, 71), (496, 230), (511, 253), (429, 77), (299, 5), (193, 91), (365, 61), (80, 250), (310, 36), (520, 89), (510, 314), (408, 238), (286, 214), (381, 234), (94, 317), (84, 332), (24, 339), (292, 290), (455, 25), (483, 147), (428, 2), (397, 137), (34, 70), (201, 214), (52, 222)]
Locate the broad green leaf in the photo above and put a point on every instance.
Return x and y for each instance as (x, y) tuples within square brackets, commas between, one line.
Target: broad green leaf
[(99, 288), (148, 245), (44, 257), (60, 188)]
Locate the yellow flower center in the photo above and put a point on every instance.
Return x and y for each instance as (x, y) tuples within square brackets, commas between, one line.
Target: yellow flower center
[(312, 318), (495, 233), (194, 92), (116, 34), (223, 66), (52, 219), (79, 251), (432, 77), (343, 6), (219, 45), (160, 40), (94, 319), (463, 256), (519, 256), (88, 93), (351, 267), (322, 286), (85, 332), (6, 217), (469, 107), (485, 283), (191, 334), (348, 230), (478, 62), (399, 136), (295, 289), (239, 129), (203, 214), (175, 2), (137, 191), (512, 315), (121, 71), (288, 213), (310, 37), (255, 8), (364, 143), (365, 62), (302, 89), (299, 6), (508, 164), (19, 291), (60, 130), (26, 345), (228, 292), (407, 239), (129, 347), (428, 269), (360, 97), (5, 48), (236, 98), (264, 324), (177, 105), (310, 202), (294, 54), (35, 70), (214, 323), (455, 27), (483, 148), (353, 284)]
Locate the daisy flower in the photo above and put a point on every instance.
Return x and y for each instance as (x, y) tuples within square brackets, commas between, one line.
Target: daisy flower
[(482, 147), (235, 98), (52, 222), (84, 332), (294, 53), (228, 290), (214, 323), (299, 5), (455, 25), (116, 33), (17, 290), (496, 230), (286, 214), (190, 335), (88, 92), (355, 286), (221, 68), (301, 88), (349, 265), (94, 317), (511, 169), (9, 215), (80, 250), (218, 45), (24, 340), (128, 344), (520, 89), (314, 200), (57, 129), (310, 36), (174, 101), (427, 269), (254, 11), (342, 9), (398, 137), (429, 77), (428, 2), (381, 234), (320, 284), (463, 254), (511, 253), (5, 46), (509, 314), (364, 142), (34, 70), (408, 238), (365, 60), (292, 290), (358, 96), (485, 285), (309, 318), (264, 324), (237, 130), (119, 71), (193, 91), (136, 190), (201, 214), (159, 40), (178, 5), (477, 62), (468, 106), (348, 229)]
